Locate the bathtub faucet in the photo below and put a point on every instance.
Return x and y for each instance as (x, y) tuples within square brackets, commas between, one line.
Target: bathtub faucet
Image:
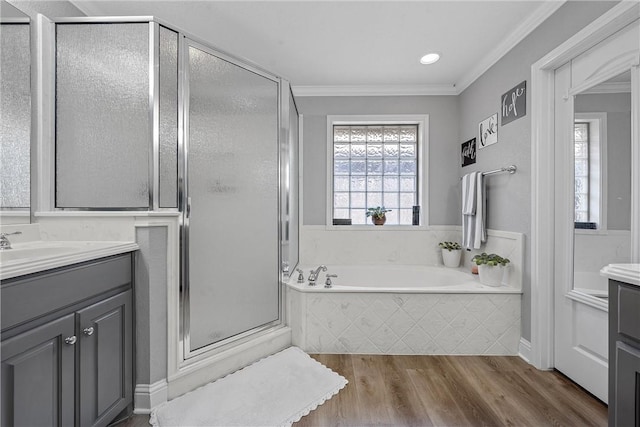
[(313, 274)]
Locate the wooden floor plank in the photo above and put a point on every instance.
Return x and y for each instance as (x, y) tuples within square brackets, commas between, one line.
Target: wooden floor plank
[(447, 391)]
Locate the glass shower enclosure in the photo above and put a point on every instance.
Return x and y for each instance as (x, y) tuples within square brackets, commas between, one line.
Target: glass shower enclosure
[(209, 137), (232, 217)]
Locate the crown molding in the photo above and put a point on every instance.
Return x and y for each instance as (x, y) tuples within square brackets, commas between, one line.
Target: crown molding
[(547, 9), (375, 90)]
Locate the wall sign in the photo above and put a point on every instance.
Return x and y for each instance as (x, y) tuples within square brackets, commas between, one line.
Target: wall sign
[(514, 104), (488, 131), (469, 152)]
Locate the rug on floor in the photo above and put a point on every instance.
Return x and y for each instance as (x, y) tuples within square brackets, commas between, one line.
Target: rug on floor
[(275, 391)]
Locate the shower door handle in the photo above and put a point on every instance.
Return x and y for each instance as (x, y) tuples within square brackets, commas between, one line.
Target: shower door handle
[(188, 207)]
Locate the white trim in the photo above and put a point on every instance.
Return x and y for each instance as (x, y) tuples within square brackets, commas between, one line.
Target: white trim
[(376, 90), (612, 87), (547, 9), (148, 396), (422, 120), (542, 170), (524, 350), (174, 349), (590, 300)]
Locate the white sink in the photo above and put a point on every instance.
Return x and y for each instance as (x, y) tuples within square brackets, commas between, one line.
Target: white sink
[(40, 255)]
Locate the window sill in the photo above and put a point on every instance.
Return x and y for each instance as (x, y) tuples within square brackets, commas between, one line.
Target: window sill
[(371, 227)]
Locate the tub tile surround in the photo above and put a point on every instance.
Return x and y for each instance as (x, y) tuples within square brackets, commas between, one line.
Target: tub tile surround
[(404, 323), (410, 324), (384, 246)]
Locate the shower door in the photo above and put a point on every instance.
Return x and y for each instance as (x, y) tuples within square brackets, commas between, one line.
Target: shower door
[(230, 199)]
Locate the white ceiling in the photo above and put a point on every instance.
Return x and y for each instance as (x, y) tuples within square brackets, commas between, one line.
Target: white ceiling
[(353, 46)]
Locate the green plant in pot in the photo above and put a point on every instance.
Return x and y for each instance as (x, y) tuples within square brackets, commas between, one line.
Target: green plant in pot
[(451, 253), (377, 214), (491, 268)]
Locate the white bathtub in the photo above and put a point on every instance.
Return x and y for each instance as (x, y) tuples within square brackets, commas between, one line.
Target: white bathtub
[(396, 279), (403, 310)]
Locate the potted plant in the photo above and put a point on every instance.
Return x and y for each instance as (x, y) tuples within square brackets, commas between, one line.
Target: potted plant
[(451, 253), (491, 268), (377, 214)]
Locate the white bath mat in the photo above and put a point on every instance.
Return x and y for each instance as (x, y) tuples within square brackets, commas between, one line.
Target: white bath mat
[(275, 391)]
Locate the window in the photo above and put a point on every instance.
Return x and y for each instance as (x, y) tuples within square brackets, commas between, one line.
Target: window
[(589, 170), (581, 171), (375, 163)]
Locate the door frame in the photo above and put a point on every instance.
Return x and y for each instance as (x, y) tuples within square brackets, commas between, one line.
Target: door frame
[(543, 176)]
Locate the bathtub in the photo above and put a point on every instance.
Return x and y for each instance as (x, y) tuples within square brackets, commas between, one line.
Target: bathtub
[(396, 309), (397, 279)]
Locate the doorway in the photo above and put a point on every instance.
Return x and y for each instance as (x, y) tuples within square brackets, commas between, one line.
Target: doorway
[(603, 50)]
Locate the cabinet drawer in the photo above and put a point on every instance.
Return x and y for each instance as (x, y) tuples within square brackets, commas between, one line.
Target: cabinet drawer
[(629, 312), (26, 298)]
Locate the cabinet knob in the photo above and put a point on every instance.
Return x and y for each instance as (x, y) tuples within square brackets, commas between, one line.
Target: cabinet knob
[(88, 331), (70, 340)]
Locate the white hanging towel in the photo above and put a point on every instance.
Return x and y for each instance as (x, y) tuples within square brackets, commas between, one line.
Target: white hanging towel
[(473, 209)]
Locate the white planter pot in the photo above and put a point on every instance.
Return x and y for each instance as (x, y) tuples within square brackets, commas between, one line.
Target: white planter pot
[(451, 258), (491, 275)]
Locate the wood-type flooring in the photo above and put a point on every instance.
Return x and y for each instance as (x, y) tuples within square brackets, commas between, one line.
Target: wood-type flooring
[(447, 391)]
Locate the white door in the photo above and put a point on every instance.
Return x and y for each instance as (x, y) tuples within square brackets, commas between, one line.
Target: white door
[(594, 148)]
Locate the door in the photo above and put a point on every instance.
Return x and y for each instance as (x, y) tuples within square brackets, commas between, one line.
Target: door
[(105, 339), (38, 376), (231, 223), (594, 201)]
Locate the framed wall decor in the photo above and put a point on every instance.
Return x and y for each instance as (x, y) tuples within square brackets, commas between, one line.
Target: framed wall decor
[(488, 131), (513, 104), (468, 152)]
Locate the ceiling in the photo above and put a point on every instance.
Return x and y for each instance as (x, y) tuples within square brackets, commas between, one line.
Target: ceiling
[(352, 47)]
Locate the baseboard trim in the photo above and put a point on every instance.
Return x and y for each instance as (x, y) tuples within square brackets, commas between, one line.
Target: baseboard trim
[(148, 396), (524, 350)]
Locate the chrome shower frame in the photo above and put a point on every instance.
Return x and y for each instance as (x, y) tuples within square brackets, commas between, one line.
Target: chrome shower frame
[(46, 199)]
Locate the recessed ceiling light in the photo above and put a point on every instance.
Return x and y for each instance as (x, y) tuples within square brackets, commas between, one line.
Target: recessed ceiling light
[(429, 58)]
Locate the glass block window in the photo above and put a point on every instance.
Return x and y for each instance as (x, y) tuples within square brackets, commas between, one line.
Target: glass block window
[(375, 165), (581, 171)]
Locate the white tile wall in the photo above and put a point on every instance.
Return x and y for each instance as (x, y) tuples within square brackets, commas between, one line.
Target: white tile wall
[(383, 323)]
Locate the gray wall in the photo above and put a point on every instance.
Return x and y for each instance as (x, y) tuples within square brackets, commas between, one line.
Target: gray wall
[(618, 109), (509, 197), (443, 153)]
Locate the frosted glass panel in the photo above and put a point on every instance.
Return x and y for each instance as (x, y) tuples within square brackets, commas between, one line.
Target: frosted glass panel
[(233, 186), (15, 116), (168, 118), (103, 134)]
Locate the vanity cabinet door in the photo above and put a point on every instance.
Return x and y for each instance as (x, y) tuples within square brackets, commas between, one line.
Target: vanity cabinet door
[(105, 333), (38, 376), (627, 409)]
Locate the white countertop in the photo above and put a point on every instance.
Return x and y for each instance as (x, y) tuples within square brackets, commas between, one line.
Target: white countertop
[(626, 273), (35, 256)]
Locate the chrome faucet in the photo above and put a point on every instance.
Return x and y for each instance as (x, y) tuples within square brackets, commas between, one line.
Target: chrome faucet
[(313, 274), (4, 242)]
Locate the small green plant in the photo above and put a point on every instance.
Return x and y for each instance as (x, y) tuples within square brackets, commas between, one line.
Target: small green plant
[(450, 246), (377, 212), (490, 259)]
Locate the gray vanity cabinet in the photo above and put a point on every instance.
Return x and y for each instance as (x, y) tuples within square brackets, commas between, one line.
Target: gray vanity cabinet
[(67, 345), (37, 376), (105, 359), (624, 354)]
